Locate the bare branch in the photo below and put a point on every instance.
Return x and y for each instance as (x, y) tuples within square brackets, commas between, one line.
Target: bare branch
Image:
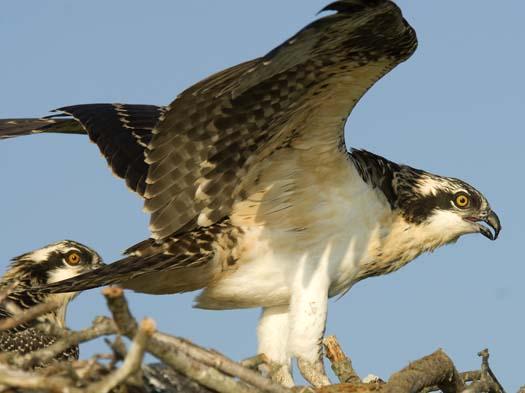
[(119, 350), (119, 308), (173, 356), (255, 361), (28, 315), (160, 377), (133, 360), (467, 376), (201, 373), (488, 381), (436, 369), (470, 376), (220, 362), (100, 327), (28, 380), (209, 369), (344, 388), (341, 364)]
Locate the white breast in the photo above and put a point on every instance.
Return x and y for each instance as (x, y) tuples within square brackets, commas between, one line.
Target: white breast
[(323, 220)]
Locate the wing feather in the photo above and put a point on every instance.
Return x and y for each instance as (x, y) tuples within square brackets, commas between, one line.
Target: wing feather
[(122, 133), (214, 131), (190, 255)]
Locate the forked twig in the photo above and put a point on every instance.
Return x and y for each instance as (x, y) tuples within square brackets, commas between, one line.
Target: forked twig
[(132, 362)]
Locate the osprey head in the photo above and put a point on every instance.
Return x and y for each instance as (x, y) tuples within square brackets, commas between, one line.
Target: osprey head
[(443, 206), (52, 263), (46, 265), (437, 209)]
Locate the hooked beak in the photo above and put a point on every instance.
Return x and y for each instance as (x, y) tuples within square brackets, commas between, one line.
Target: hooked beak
[(492, 220)]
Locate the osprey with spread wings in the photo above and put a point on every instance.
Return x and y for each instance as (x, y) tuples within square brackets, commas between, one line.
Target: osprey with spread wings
[(254, 197)]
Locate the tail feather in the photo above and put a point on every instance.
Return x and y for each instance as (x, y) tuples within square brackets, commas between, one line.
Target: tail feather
[(10, 128)]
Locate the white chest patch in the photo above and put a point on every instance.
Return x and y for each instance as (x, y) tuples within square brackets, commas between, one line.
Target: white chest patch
[(64, 298), (296, 228)]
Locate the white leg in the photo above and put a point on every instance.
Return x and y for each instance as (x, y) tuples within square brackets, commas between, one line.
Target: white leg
[(308, 309), (273, 342)]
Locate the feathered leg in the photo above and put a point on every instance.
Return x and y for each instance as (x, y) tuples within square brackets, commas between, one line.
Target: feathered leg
[(273, 342), (308, 310)]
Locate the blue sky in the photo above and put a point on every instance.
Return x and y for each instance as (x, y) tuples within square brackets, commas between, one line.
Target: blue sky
[(455, 108)]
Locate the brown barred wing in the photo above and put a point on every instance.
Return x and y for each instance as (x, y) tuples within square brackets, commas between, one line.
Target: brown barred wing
[(122, 133), (212, 134)]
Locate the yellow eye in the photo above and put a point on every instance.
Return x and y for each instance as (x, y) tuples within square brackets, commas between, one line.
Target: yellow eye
[(462, 201), (73, 258)]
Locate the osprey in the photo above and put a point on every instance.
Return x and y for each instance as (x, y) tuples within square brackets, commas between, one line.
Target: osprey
[(49, 264), (253, 195)]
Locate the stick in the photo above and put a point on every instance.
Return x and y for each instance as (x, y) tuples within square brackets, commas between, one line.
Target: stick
[(132, 362), (255, 361), (26, 380), (28, 315), (171, 355), (436, 369), (220, 362), (488, 381), (341, 364), (100, 327), (467, 376)]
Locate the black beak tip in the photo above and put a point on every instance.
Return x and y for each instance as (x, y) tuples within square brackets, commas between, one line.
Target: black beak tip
[(487, 233), (494, 222)]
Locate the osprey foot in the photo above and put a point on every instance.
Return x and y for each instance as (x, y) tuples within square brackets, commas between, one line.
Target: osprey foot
[(282, 374), (313, 372), (277, 372)]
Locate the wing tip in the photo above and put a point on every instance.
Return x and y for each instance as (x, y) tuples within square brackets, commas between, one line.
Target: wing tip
[(349, 6)]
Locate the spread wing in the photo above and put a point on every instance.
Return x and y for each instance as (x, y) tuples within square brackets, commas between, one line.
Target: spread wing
[(121, 132), (213, 132)]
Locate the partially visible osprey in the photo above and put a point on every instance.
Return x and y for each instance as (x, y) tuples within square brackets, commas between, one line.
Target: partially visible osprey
[(252, 193), (46, 265)]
